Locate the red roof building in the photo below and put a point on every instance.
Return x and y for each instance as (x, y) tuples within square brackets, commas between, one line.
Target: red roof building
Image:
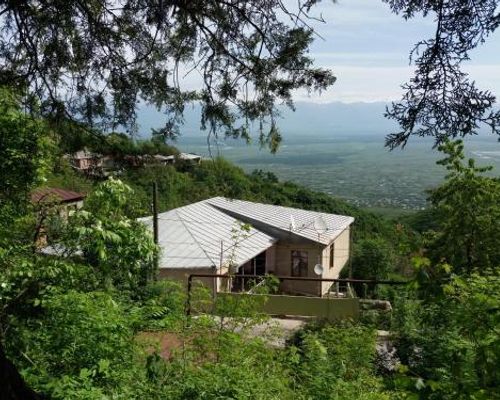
[(62, 196)]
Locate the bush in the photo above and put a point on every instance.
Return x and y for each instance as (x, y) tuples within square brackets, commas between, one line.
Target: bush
[(449, 343), (162, 305), (81, 331), (336, 362), (372, 259)]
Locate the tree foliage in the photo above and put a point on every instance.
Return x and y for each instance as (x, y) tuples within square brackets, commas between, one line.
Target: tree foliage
[(327, 367), (120, 249), (25, 149), (448, 327), (449, 343), (372, 259), (467, 207), (37, 290), (94, 61), (440, 100)]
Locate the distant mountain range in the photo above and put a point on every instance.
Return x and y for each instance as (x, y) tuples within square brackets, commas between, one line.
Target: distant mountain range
[(331, 118)]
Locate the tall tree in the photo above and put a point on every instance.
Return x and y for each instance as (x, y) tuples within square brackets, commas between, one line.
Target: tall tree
[(467, 208), (25, 148), (440, 100), (95, 60)]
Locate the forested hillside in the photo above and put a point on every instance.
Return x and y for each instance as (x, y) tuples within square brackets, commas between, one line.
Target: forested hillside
[(81, 325), (83, 314), (185, 184)]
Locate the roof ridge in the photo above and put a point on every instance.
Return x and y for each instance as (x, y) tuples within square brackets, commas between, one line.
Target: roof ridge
[(195, 240), (272, 205), (293, 232), (266, 212)]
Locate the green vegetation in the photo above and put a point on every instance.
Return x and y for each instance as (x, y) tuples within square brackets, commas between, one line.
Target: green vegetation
[(468, 210), (25, 147), (93, 323), (449, 342), (77, 325)]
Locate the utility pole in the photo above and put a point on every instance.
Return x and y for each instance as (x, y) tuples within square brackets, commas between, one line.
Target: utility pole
[(155, 222), (155, 213)]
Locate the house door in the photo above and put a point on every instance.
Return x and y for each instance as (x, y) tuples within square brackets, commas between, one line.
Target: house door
[(260, 264)]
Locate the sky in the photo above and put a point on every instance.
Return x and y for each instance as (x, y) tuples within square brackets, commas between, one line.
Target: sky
[(367, 48)]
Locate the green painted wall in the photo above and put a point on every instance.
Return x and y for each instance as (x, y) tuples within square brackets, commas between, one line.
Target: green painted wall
[(331, 309)]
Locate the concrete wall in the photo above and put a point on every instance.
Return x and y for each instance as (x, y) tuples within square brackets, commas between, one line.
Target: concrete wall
[(331, 309), (182, 274), (283, 267), (316, 254)]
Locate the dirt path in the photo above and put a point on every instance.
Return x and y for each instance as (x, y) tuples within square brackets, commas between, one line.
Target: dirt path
[(275, 332)]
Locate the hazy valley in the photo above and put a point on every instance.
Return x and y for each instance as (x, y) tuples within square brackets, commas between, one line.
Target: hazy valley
[(328, 147)]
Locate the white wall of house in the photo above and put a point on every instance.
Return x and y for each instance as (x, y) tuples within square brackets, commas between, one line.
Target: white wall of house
[(341, 251)]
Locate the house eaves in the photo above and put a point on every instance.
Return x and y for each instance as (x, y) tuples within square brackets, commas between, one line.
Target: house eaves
[(294, 222), (201, 236)]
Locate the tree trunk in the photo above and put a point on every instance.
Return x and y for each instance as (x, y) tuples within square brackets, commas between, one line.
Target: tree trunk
[(12, 385)]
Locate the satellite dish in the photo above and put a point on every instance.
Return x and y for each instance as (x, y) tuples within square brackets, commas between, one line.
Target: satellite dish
[(320, 225), (292, 223), (318, 269)]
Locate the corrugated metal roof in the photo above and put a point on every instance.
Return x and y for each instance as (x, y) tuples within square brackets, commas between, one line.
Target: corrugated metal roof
[(189, 156), (183, 156), (50, 194), (296, 221), (191, 237)]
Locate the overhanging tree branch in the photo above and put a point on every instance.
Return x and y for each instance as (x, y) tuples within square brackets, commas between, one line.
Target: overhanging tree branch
[(440, 100)]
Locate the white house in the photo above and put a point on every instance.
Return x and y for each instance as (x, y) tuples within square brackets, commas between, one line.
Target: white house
[(209, 236)]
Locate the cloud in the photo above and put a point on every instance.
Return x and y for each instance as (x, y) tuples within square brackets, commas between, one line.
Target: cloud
[(366, 84), (374, 84), (367, 48)]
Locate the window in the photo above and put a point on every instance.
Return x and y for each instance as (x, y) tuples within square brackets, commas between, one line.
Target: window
[(299, 263), (332, 255)]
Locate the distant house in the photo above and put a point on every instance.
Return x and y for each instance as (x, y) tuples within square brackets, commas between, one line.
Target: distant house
[(84, 160), (189, 158), (64, 199), (206, 237), (99, 165), (49, 202), (92, 163)]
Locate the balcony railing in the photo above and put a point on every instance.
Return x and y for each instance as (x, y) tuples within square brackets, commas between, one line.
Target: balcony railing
[(261, 279)]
